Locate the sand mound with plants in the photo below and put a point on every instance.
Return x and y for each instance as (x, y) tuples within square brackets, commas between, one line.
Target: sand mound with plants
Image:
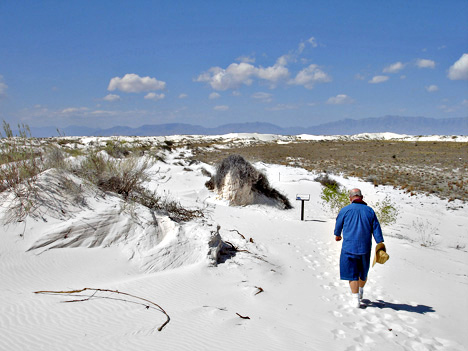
[(237, 181), (76, 213)]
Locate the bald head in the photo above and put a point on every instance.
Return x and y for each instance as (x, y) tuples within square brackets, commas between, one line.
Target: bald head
[(355, 194)]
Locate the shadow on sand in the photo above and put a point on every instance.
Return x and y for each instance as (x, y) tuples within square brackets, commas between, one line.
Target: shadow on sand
[(421, 309)]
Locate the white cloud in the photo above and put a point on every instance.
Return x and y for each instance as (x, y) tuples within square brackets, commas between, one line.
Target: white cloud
[(394, 67), (182, 96), (274, 73), (221, 108), (236, 93), (459, 70), (104, 113), (378, 79), (424, 63), (244, 73), (340, 99), (70, 110), (111, 97), (238, 74), (154, 96), (309, 76), (402, 77), (232, 77), (214, 96), (264, 97), (133, 83), (432, 88), (3, 87), (283, 60)]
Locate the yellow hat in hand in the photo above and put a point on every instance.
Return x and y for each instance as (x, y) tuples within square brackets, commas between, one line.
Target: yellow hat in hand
[(381, 255)]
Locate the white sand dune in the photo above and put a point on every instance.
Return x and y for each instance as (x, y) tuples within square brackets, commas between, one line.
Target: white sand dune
[(284, 276)]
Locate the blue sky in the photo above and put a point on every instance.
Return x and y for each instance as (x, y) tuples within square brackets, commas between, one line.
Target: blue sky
[(291, 63)]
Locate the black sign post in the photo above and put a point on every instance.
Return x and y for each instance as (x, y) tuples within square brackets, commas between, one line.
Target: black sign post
[(302, 198)]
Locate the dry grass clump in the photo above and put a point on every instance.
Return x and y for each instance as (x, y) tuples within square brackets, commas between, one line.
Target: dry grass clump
[(127, 177), (20, 164), (426, 232), (119, 176)]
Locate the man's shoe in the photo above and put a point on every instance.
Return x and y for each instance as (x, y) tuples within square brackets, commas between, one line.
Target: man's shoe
[(355, 301)]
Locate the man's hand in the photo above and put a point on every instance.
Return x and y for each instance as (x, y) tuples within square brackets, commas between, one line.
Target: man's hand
[(337, 238)]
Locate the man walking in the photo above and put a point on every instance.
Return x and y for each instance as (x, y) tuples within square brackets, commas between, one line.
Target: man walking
[(358, 223)]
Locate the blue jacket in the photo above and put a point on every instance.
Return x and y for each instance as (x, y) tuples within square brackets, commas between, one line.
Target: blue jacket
[(358, 223)]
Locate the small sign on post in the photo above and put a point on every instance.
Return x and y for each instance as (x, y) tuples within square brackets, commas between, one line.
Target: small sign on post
[(302, 198)]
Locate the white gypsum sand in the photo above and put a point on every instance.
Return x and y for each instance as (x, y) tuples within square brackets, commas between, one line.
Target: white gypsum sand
[(284, 276)]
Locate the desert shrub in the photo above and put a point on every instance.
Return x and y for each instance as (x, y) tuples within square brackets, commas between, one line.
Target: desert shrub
[(119, 176), (54, 158), (168, 144), (325, 180), (20, 164), (426, 232), (334, 198), (126, 177), (19, 179), (386, 211), (238, 167), (117, 149)]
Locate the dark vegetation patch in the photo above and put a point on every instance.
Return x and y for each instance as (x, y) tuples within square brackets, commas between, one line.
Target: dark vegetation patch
[(245, 174)]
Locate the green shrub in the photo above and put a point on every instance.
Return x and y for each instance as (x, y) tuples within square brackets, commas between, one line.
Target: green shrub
[(334, 198), (386, 211)]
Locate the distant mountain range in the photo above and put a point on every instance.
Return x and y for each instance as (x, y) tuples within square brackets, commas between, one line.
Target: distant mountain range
[(394, 124)]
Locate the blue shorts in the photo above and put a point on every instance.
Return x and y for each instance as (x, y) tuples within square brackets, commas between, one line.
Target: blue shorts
[(354, 267)]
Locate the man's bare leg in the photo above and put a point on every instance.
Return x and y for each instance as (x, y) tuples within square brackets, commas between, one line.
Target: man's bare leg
[(356, 284)]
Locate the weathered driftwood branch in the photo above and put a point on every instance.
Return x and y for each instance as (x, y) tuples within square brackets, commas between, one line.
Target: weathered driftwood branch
[(243, 317), (260, 290), (148, 304)]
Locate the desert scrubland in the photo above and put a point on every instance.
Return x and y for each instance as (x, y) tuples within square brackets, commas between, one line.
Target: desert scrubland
[(431, 167), (126, 229)]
